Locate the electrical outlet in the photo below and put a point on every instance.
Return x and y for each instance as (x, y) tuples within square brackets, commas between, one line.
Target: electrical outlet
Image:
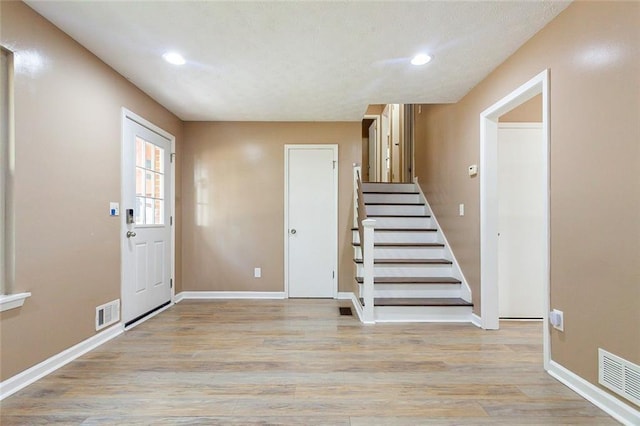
[(556, 318), (257, 272)]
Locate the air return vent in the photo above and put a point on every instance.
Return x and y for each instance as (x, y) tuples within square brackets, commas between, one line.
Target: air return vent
[(619, 375), (107, 314)]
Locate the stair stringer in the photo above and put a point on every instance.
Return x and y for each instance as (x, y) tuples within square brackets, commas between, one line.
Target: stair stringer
[(465, 290)]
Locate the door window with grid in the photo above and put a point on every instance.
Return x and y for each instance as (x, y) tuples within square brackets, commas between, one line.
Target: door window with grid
[(150, 181)]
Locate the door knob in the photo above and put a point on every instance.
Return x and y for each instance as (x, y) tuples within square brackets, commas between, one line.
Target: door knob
[(293, 231), (130, 234)]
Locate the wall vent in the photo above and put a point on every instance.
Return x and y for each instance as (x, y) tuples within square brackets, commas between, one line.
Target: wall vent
[(107, 314), (619, 375)]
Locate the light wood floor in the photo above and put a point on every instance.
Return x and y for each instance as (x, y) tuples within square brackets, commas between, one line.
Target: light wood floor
[(298, 362)]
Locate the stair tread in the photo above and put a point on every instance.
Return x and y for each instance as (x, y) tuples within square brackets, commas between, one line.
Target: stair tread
[(425, 216), (409, 261), (418, 203), (402, 229), (392, 192), (419, 301), (411, 280), (405, 245)]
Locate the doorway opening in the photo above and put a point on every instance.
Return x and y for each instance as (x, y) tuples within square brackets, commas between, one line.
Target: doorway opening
[(490, 206), (387, 143)]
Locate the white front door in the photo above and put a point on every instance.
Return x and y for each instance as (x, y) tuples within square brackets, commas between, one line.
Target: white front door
[(146, 215), (521, 220), (311, 220)]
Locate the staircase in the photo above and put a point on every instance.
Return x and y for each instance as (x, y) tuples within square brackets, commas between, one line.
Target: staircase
[(414, 275)]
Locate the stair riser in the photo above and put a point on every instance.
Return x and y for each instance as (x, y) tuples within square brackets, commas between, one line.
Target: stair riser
[(391, 198), (385, 187), (408, 271), (400, 237), (399, 210), (405, 253), (414, 290), (403, 222), (422, 313)]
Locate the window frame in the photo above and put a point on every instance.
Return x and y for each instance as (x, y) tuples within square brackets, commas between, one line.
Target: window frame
[(8, 300)]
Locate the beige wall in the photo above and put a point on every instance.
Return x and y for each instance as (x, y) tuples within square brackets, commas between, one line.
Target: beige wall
[(67, 134), (233, 201), (595, 160), (528, 112)]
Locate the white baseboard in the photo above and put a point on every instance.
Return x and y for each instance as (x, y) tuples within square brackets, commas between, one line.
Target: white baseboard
[(617, 409), (344, 295), (476, 320), (38, 371), (204, 295)]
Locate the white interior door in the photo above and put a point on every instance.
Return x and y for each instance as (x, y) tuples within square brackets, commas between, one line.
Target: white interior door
[(311, 220), (146, 216), (521, 224)]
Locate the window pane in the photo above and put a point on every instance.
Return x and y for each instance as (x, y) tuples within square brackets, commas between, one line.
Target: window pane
[(139, 181), (159, 212), (139, 210), (149, 184), (148, 149), (148, 215), (158, 182), (139, 152), (158, 165)]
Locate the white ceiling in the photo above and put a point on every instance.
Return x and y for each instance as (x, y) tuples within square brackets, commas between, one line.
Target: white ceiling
[(299, 60)]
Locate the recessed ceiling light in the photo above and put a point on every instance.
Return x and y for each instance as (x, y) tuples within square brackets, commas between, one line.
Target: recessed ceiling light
[(421, 59), (174, 58)]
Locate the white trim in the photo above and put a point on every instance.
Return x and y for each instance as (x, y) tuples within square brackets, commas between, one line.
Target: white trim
[(38, 371), (12, 301), (519, 125), (359, 311), (489, 204), (476, 320), (127, 114), (178, 297), (344, 295), (334, 148), (211, 295), (611, 405)]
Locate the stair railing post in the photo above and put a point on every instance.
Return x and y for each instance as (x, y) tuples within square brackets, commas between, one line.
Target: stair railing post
[(357, 170), (367, 265)]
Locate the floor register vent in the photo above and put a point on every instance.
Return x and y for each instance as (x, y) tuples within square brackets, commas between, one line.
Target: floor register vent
[(107, 314), (619, 375)]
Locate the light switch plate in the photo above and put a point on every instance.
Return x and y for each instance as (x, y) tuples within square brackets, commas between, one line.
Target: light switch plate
[(461, 209), (257, 272)]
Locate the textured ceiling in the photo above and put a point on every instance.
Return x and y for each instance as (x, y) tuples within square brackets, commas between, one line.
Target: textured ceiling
[(299, 60)]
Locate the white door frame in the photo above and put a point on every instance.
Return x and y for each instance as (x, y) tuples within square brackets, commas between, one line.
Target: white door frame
[(376, 160), (126, 114), (287, 148), (489, 201)]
